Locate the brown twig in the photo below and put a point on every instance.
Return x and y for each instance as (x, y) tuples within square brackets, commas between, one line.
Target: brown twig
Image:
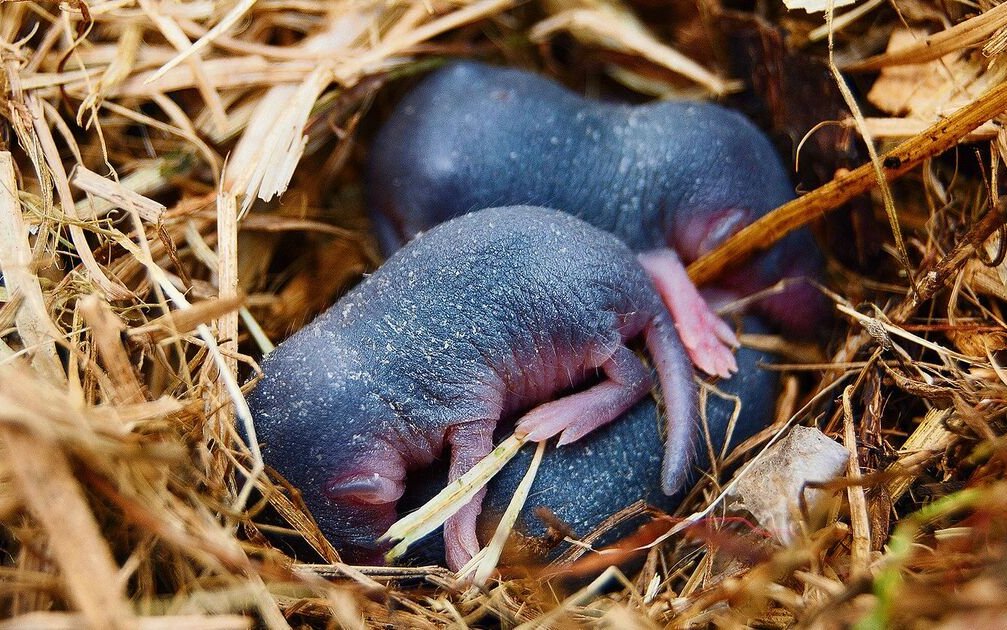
[(937, 139)]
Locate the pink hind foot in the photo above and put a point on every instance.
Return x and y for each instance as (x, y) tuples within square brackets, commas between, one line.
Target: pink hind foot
[(706, 337), (578, 414), (470, 442)]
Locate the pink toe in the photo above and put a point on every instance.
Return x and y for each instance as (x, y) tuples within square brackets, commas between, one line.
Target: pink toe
[(725, 333), (460, 540), (541, 423)]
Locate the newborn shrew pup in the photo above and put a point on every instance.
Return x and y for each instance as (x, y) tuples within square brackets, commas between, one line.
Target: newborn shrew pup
[(486, 317)]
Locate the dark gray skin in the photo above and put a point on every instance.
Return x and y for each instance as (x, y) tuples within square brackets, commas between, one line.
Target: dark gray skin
[(480, 319), (677, 175), (584, 483)]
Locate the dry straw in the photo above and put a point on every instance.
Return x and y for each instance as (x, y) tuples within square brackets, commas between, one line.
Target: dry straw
[(179, 189)]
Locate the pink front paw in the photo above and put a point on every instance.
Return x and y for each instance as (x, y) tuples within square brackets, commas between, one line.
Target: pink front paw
[(545, 421), (707, 339)]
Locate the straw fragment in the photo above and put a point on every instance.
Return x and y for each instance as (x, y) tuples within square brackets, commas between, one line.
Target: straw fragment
[(16, 262), (116, 194), (452, 498), (71, 621), (967, 34), (491, 554), (225, 24), (184, 321), (227, 287), (859, 521), (929, 440), (118, 70), (56, 500), (106, 330), (612, 25), (250, 161), (113, 289), (176, 37)]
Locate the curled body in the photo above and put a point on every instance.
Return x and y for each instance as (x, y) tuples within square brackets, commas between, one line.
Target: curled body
[(584, 483), (494, 315), (671, 179)]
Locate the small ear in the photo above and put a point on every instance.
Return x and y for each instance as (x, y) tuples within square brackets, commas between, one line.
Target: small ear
[(372, 489)]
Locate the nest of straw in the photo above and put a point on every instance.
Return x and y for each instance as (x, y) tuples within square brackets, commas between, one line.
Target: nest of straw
[(179, 189)]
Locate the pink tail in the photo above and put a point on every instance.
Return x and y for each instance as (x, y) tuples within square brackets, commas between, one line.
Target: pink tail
[(674, 370)]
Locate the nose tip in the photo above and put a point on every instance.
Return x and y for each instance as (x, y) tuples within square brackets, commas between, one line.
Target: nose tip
[(373, 489)]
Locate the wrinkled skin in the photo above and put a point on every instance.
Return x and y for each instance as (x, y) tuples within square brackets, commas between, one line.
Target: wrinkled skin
[(676, 177), (490, 316), (584, 483)]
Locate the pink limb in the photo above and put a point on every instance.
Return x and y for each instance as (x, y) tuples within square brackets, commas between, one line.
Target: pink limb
[(578, 414), (707, 338), (678, 388), (470, 442)]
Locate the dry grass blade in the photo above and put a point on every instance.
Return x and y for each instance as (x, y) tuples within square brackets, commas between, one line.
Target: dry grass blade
[(227, 289), (107, 330), (113, 289), (970, 33), (879, 174), (859, 521), (148, 178), (185, 321), (840, 22), (929, 440), (349, 72), (253, 153), (116, 194), (69, 621), (118, 70), (434, 512), (171, 31), (490, 556), (904, 128), (56, 500), (225, 24), (16, 263), (611, 25), (579, 598)]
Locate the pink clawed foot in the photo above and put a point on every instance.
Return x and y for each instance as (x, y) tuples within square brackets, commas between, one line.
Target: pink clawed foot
[(706, 337), (470, 442), (578, 414)]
